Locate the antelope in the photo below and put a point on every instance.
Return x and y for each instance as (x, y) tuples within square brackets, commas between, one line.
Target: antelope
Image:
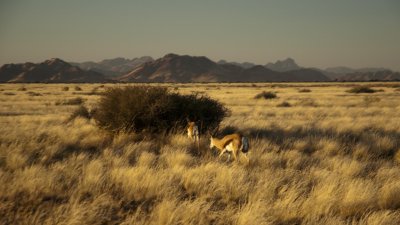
[(232, 144), (193, 132)]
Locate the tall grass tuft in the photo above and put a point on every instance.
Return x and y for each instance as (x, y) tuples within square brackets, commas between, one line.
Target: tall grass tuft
[(81, 111)]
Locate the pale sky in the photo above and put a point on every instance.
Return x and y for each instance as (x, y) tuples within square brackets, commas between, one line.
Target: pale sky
[(316, 33)]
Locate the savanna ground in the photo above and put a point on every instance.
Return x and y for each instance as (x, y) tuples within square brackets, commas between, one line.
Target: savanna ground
[(323, 157)]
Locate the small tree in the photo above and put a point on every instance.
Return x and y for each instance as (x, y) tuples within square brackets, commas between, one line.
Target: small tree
[(155, 109)]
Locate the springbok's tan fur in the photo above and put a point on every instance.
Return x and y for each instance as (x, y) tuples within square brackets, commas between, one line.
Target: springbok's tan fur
[(193, 132), (232, 143)]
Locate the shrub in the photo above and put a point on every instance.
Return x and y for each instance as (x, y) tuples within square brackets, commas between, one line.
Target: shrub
[(65, 88), (361, 89), (284, 104), (81, 111), (22, 89), (265, 95), (77, 88), (72, 101), (31, 93), (304, 90), (155, 109)]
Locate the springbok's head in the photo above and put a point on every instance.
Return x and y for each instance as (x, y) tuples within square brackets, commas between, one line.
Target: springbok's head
[(191, 124), (212, 142), (212, 135)]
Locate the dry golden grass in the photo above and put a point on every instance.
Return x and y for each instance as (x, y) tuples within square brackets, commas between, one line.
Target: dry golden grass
[(331, 158)]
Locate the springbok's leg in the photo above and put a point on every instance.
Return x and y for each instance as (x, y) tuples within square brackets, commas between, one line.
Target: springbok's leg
[(222, 152), (229, 157), (234, 155), (197, 141)]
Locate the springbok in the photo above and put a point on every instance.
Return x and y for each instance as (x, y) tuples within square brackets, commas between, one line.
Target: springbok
[(232, 144), (193, 132)]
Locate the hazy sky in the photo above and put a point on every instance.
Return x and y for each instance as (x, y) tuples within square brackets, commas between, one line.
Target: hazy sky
[(316, 33)]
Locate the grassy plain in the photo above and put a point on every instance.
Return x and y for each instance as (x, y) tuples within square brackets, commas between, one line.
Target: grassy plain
[(325, 156)]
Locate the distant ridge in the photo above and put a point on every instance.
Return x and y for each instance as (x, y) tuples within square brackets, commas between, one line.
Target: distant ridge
[(343, 73), (175, 68), (184, 68), (385, 75), (114, 67), (244, 65), (53, 71), (283, 65)]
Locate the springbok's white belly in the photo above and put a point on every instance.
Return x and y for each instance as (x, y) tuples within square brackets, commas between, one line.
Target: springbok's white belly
[(229, 147)]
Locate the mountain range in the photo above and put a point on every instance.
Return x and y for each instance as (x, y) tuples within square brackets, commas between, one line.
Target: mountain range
[(245, 65), (183, 68), (114, 67), (382, 75), (52, 71), (283, 65)]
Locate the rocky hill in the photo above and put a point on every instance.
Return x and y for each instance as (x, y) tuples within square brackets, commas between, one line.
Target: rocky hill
[(53, 70), (114, 67), (283, 65), (244, 65), (384, 75), (184, 68)]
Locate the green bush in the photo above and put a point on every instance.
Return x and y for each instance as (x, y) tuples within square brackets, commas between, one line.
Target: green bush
[(155, 109), (265, 95), (361, 89)]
